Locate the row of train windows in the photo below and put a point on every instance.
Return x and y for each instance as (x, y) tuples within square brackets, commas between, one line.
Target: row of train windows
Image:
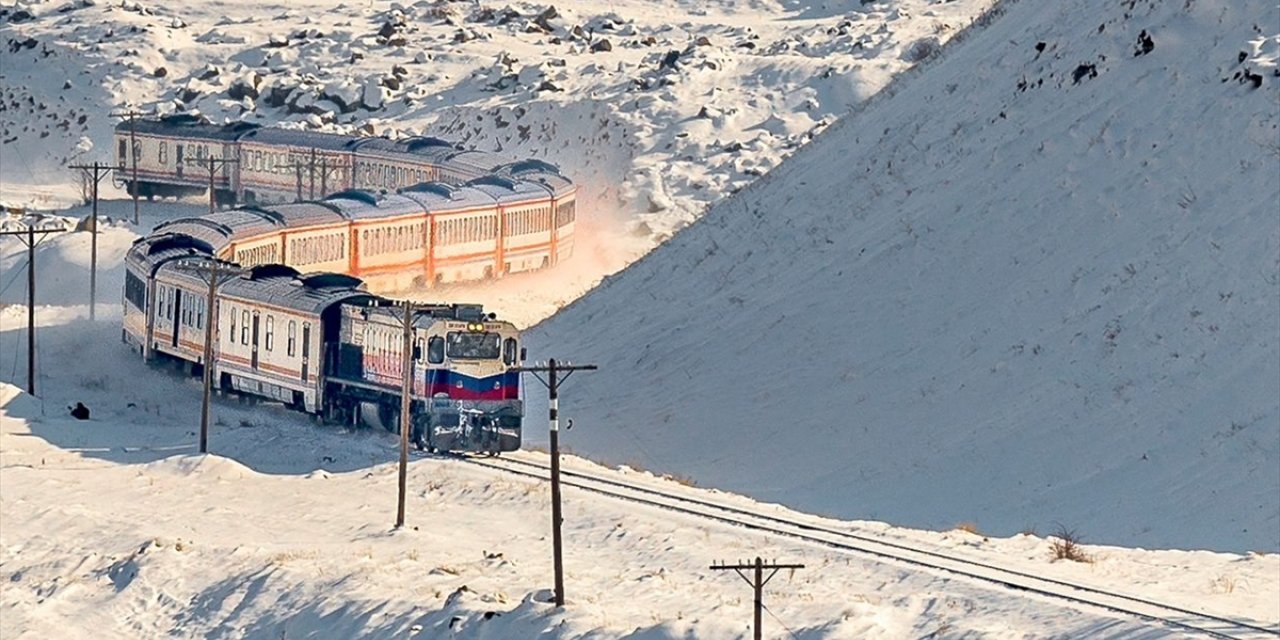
[(389, 176), (194, 151), (242, 332), (467, 230), (566, 212), (405, 237), (531, 221), (308, 167), (316, 249), (266, 254), (464, 345), (190, 309)]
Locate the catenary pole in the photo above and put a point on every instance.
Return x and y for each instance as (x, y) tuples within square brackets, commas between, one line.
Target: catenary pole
[(554, 370), (406, 388), (757, 582), (97, 172), (28, 237)]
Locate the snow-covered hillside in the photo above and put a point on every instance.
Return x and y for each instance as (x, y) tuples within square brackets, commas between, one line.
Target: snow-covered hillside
[(1037, 282)]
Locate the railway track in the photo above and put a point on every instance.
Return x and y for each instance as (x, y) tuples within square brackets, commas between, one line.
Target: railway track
[(1174, 617)]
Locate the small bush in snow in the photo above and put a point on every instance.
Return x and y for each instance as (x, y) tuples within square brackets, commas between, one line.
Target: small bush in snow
[(1066, 546)]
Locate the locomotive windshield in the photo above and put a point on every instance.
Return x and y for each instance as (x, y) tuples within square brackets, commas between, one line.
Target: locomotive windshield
[(473, 346)]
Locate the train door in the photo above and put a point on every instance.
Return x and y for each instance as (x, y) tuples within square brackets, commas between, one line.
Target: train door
[(306, 349), (177, 314), (179, 160), (254, 357)]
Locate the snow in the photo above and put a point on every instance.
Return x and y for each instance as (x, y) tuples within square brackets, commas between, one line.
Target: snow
[(989, 298), (994, 294)]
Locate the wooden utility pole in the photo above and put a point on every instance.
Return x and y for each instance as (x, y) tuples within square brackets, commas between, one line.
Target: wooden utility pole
[(99, 171), (133, 153), (214, 273), (553, 382), (213, 163), (406, 388), (28, 237), (757, 581)]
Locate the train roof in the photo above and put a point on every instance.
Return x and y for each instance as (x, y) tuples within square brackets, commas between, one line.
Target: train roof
[(187, 126), (154, 250), (286, 287), (505, 189), (358, 205), (302, 138), (436, 196)]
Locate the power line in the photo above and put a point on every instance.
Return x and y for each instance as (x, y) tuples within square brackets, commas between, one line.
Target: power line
[(757, 581)]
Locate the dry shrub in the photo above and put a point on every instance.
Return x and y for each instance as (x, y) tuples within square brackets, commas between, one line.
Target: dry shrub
[(967, 527), (1066, 546)]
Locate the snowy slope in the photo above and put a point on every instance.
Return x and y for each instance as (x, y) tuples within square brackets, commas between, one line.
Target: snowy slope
[(1036, 283)]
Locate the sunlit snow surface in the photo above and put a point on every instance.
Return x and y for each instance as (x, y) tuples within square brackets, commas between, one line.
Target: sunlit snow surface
[(997, 296)]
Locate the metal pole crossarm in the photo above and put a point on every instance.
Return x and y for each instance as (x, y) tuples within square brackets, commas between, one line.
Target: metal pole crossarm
[(28, 237), (553, 382)]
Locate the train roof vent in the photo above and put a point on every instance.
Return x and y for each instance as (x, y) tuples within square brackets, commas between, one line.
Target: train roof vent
[(238, 127), (423, 142), (497, 181), (178, 241), (438, 188), (532, 164), (264, 271), (329, 279), (184, 119), (355, 194)]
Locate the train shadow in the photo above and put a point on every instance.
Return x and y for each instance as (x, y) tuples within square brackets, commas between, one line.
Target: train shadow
[(140, 414)]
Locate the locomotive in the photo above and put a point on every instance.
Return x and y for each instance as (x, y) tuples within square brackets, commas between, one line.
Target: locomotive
[(321, 343)]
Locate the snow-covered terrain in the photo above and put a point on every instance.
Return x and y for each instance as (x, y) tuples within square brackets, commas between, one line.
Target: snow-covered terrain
[(1035, 283)]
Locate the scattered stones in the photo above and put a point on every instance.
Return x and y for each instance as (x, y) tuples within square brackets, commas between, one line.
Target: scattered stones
[(601, 45), (1083, 71), (1145, 44), (277, 41), (245, 87)]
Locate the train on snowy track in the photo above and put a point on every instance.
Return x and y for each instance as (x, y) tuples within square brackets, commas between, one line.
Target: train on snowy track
[(321, 343), (395, 213)]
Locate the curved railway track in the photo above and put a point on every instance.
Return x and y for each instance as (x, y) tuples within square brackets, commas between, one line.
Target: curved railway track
[(1173, 617)]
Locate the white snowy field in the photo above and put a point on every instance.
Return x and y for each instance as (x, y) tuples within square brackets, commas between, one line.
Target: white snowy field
[(116, 528)]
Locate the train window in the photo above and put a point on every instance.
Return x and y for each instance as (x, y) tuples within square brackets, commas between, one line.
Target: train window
[(271, 332), (233, 325), (473, 346), (137, 153), (123, 150), (417, 349), (293, 338), (435, 350), (244, 327), (509, 351), (200, 313)]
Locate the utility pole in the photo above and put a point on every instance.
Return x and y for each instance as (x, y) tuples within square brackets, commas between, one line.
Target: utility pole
[(553, 382), (133, 153), (757, 581), (213, 163), (28, 237), (99, 171), (214, 273), (406, 388), (314, 165)]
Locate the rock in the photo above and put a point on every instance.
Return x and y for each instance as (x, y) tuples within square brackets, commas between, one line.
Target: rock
[(245, 87), (21, 15), (389, 29), (177, 23), (421, 57), (209, 72), (548, 85), (188, 95), (391, 82), (601, 45), (374, 96), (543, 21), (922, 49), (160, 72), (277, 41), (399, 71), (702, 41), (344, 94)]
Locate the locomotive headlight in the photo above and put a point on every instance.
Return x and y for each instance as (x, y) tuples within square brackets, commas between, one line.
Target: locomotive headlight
[(475, 327)]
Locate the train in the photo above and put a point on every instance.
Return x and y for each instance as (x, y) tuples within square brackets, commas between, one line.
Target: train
[(300, 324), (321, 343)]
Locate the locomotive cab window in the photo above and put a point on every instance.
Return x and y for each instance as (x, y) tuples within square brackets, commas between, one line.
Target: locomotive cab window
[(509, 351), (435, 350), (473, 346)]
